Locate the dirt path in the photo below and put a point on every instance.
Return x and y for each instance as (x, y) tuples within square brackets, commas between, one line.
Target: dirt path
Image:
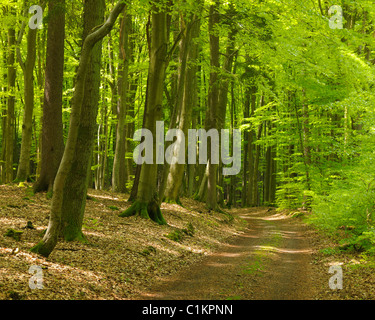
[(270, 260)]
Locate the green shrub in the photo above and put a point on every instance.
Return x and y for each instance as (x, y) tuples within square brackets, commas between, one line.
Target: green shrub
[(175, 235)]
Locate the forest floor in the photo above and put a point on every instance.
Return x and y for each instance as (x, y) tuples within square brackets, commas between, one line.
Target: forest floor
[(253, 253)]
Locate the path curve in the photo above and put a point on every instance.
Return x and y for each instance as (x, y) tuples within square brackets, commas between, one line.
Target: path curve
[(271, 260)]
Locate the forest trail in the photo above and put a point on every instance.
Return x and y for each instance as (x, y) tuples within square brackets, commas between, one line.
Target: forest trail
[(271, 260)]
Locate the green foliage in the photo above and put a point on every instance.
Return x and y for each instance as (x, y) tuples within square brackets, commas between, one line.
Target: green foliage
[(15, 234), (149, 250), (329, 251), (91, 223), (349, 203), (113, 208), (178, 234), (175, 235), (189, 230)]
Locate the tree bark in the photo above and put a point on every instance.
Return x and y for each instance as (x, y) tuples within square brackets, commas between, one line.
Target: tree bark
[(225, 80), (147, 202), (119, 163), (10, 117), (254, 175), (49, 241), (23, 171), (187, 99), (52, 127), (213, 102), (75, 190)]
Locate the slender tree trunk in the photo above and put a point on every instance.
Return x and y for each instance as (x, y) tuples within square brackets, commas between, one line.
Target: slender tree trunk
[(251, 149), (52, 128), (10, 116), (41, 40), (130, 101), (3, 120), (188, 98), (231, 186), (299, 129), (119, 164), (254, 176), (268, 169), (212, 120), (247, 153), (134, 191), (225, 80), (23, 171)]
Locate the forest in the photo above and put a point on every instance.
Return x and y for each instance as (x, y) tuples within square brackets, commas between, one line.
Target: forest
[(101, 103)]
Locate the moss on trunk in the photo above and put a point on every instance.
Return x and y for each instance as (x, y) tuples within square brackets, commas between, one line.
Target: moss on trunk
[(173, 201), (147, 210), (74, 233)]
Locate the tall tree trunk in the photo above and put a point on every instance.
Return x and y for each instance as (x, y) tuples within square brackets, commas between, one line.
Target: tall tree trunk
[(231, 188), (75, 190), (247, 153), (301, 141), (130, 102), (49, 241), (187, 99), (10, 116), (23, 171), (251, 149), (119, 164), (254, 175), (147, 203), (52, 127), (269, 170), (225, 80), (212, 120), (3, 114)]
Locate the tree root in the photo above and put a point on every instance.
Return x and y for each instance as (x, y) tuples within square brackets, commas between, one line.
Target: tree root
[(172, 201), (146, 210)]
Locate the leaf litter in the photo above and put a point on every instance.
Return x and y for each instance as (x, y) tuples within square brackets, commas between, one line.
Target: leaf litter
[(123, 256)]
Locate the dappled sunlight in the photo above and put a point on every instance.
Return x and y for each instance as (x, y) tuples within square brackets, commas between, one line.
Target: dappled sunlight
[(63, 269), (218, 264), (33, 259), (335, 263), (97, 234), (106, 197), (231, 254), (276, 216), (283, 250), (5, 250), (11, 221)]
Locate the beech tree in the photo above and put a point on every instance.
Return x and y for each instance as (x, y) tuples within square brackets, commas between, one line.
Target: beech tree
[(50, 238), (119, 174), (186, 98), (52, 125), (75, 190), (27, 66), (147, 202), (10, 116)]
